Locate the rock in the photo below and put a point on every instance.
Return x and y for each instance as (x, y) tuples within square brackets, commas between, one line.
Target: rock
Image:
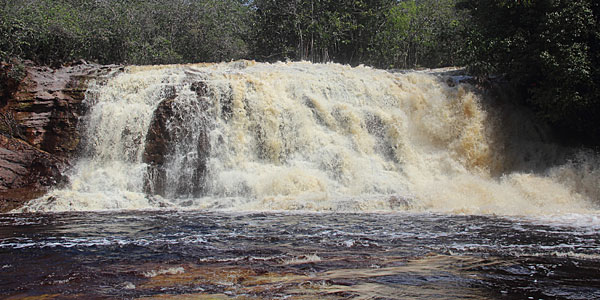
[(26, 172), (159, 137), (157, 147), (40, 109), (165, 134), (48, 106), (15, 198)]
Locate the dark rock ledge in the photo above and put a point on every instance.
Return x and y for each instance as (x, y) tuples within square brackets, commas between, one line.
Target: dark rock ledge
[(40, 109)]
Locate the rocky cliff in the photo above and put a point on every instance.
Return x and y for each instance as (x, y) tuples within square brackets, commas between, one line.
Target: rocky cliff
[(40, 109)]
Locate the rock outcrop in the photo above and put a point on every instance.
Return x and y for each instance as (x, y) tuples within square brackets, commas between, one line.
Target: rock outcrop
[(165, 133), (26, 172), (39, 115)]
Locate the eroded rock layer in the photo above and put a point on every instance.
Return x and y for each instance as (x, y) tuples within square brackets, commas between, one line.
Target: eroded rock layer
[(39, 126)]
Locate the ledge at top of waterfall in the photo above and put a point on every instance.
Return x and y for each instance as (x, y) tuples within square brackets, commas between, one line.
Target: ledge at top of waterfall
[(316, 137)]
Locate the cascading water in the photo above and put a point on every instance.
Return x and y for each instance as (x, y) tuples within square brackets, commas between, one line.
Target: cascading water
[(302, 136)]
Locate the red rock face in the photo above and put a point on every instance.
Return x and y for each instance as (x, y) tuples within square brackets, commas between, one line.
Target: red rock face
[(26, 172), (48, 105), (39, 130)]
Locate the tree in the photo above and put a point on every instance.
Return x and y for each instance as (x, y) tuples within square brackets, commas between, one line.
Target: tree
[(419, 33), (550, 50), (119, 31)]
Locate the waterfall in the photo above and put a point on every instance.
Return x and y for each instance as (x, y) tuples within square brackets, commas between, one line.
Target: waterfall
[(317, 137)]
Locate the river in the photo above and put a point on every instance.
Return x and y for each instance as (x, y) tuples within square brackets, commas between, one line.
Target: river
[(308, 181), (283, 255)]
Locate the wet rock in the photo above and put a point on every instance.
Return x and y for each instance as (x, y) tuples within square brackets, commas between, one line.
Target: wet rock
[(48, 105), (157, 147), (170, 132), (26, 172), (159, 135), (40, 109)]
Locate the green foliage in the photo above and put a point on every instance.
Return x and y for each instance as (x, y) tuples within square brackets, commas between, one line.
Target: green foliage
[(419, 33), (312, 30), (383, 33), (118, 31), (548, 48)]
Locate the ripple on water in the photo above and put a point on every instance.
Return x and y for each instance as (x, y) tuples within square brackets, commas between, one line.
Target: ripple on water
[(137, 254)]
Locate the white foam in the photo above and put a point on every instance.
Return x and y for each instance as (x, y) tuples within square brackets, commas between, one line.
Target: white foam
[(317, 137), (302, 259), (168, 271)]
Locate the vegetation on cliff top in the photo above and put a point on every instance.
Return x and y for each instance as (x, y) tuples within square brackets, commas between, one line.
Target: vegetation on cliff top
[(548, 49), (383, 33)]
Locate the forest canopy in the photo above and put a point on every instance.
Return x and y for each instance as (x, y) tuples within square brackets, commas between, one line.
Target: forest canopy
[(548, 49), (382, 33)]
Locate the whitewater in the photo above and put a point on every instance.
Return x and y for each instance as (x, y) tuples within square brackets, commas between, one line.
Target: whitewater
[(247, 136), (308, 181)]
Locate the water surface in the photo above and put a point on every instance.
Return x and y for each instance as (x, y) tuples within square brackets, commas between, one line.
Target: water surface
[(275, 255)]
